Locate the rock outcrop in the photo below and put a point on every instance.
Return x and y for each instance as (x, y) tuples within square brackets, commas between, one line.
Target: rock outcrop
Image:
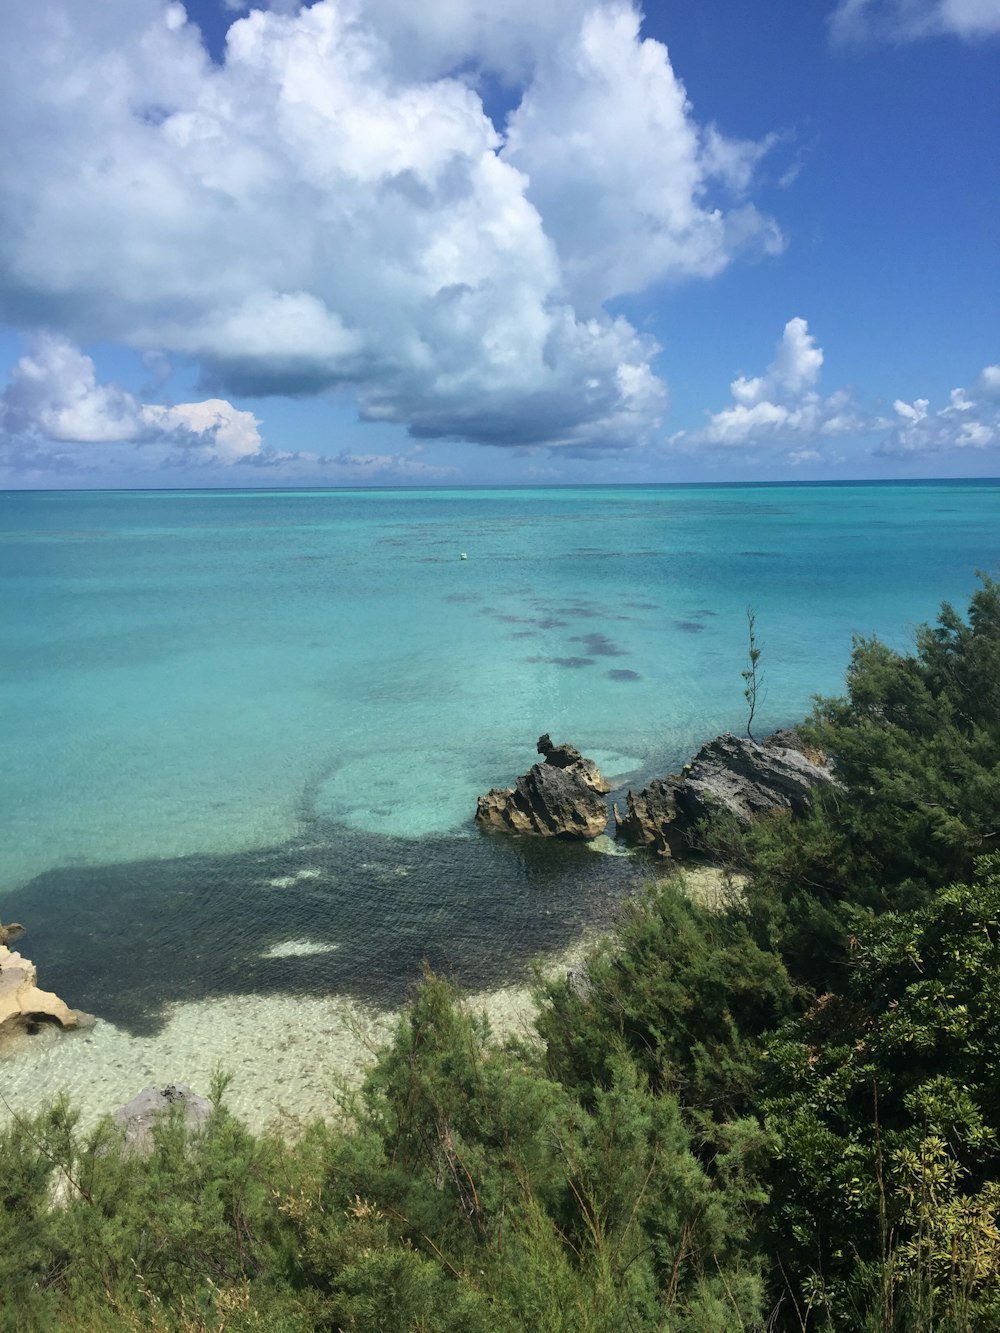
[(12, 931), (731, 775), (138, 1116), (787, 739), (23, 1006), (746, 779), (568, 756), (652, 818), (561, 797)]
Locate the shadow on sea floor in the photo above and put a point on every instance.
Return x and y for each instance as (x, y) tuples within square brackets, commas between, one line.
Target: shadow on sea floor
[(123, 941)]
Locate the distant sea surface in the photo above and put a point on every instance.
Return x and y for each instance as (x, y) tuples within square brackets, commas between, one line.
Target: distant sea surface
[(236, 719)]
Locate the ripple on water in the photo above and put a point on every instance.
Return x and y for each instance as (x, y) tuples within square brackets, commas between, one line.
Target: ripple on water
[(339, 913)]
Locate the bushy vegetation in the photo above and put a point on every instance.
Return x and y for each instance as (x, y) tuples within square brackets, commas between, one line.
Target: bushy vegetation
[(783, 1115)]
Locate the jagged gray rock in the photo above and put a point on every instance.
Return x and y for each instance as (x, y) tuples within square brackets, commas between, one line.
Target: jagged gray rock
[(568, 756), (562, 797), (748, 779), (138, 1116), (788, 739), (732, 775)]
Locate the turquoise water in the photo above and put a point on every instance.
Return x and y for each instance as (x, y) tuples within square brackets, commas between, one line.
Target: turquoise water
[(238, 716)]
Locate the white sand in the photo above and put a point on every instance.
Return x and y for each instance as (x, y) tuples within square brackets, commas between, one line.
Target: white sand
[(287, 1055)]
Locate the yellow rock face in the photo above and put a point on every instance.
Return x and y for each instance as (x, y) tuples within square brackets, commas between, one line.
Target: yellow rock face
[(22, 1003)]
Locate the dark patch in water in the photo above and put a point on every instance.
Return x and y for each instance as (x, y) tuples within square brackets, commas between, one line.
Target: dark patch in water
[(506, 618), (562, 661), (689, 626), (583, 612), (123, 941), (620, 673), (600, 645), (464, 597), (759, 555), (643, 606), (523, 634), (587, 613)]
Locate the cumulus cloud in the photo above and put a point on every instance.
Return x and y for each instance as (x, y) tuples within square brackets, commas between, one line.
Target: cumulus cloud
[(909, 20), (331, 206), (620, 171), (970, 420), (53, 398), (782, 407), (784, 410)]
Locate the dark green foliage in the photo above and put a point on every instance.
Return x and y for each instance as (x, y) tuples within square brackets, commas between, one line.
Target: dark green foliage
[(884, 1105), (686, 991), (471, 1193), (916, 742)]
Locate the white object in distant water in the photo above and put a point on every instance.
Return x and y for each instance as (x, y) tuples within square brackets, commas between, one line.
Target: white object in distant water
[(463, 556)]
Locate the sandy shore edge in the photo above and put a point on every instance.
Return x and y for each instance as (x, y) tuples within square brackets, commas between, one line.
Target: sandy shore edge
[(287, 1055)]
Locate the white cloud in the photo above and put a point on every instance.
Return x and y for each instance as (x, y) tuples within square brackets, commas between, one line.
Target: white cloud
[(332, 206), (619, 169), (909, 20), (53, 398), (53, 394), (386, 467), (971, 420), (213, 431), (791, 375), (782, 407), (507, 38)]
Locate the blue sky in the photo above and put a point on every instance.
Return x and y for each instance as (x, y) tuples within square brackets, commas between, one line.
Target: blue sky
[(364, 242)]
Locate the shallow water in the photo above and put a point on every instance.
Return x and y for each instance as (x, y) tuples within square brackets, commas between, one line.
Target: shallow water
[(244, 731)]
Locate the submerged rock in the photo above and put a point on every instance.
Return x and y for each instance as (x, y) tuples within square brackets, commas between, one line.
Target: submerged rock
[(23, 1006), (731, 775), (138, 1116), (562, 797)]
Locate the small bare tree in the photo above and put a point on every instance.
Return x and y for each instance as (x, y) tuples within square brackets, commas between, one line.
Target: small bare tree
[(753, 679)]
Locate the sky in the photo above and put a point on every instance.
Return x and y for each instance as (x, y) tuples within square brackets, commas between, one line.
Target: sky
[(498, 242)]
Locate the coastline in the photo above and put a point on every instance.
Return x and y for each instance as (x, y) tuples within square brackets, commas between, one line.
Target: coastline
[(288, 1055)]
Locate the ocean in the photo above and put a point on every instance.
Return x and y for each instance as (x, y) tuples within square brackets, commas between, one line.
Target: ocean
[(244, 731)]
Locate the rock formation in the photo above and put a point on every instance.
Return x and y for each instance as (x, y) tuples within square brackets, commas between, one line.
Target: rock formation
[(651, 818), (561, 797), (23, 1006), (568, 756), (138, 1116), (731, 775), (12, 931)]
